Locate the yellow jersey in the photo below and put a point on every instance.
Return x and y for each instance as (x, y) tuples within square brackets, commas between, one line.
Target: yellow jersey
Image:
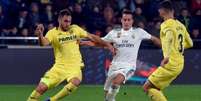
[(66, 46), (174, 38)]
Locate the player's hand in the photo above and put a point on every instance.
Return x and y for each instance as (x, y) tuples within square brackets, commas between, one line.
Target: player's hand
[(115, 51), (112, 49), (164, 61), (39, 29)]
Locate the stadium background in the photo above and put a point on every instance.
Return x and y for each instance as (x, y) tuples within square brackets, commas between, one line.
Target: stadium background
[(23, 62)]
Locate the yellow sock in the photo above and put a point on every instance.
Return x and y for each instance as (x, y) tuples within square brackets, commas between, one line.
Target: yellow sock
[(68, 89), (156, 95), (34, 96)]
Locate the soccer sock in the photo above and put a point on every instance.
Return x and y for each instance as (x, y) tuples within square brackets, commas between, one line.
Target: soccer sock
[(105, 94), (156, 95), (68, 89), (34, 96), (114, 89)]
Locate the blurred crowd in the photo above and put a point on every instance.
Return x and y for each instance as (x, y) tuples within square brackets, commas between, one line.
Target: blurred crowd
[(19, 17)]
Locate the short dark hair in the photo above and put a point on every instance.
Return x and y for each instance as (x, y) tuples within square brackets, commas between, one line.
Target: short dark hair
[(127, 12), (64, 12), (166, 4)]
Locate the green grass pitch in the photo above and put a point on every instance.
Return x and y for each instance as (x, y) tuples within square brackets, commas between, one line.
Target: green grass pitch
[(95, 93)]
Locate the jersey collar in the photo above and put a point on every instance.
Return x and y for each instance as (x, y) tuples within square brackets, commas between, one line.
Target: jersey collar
[(126, 32)]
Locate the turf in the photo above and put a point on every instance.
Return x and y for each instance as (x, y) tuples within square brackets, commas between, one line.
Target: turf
[(95, 93)]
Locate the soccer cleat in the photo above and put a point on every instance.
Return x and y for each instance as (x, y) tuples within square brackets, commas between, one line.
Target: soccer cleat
[(109, 100), (48, 99)]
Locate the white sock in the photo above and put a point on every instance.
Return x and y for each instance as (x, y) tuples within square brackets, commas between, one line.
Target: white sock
[(114, 89)]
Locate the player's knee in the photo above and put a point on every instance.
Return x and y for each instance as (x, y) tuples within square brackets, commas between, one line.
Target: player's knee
[(75, 81), (117, 82), (41, 88), (119, 79), (147, 86)]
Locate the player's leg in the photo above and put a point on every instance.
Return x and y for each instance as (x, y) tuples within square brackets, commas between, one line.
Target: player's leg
[(107, 86), (120, 77), (157, 81), (48, 81), (153, 92), (40, 90), (108, 83), (115, 86), (67, 90), (74, 80)]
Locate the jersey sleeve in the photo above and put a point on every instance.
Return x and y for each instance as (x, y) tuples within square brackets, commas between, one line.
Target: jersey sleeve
[(108, 37), (166, 29), (49, 36), (81, 32), (167, 42), (144, 34)]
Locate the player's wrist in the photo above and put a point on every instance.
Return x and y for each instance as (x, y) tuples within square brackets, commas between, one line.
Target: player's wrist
[(166, 57)]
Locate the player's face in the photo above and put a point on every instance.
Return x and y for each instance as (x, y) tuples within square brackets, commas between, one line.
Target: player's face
[(127, 21), (165, 13), (161, 12), (65, 22)]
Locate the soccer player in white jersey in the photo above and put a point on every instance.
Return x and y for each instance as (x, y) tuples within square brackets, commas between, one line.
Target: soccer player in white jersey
[(127, 41)]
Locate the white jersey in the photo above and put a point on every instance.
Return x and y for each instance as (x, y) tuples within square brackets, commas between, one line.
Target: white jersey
[(127, 44)]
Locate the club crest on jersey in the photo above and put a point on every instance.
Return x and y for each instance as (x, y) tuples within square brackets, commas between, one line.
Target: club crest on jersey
[(118, 34), (133, 36), (71, 31)]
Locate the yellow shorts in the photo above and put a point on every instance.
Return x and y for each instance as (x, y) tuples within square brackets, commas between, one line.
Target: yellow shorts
[(59, 73), (163, 76)]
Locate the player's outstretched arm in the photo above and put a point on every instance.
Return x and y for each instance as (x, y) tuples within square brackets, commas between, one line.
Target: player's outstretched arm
[(39, 32), (90, 43), (87, 43), (101, 42), (156, 41)]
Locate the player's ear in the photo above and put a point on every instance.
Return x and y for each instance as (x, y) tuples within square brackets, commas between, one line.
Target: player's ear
[(121, 19), (132, 20), (173, 11), (59, 19)]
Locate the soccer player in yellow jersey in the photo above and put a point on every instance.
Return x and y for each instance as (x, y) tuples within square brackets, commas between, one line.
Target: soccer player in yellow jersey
[(68, 60), (174, 38)]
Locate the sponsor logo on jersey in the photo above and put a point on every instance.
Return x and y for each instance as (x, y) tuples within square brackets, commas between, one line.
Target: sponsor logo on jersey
[(118, 34), (66, 38), (133, 36), (124, 45)]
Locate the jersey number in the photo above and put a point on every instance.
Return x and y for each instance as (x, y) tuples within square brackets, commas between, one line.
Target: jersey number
[(181, 48)]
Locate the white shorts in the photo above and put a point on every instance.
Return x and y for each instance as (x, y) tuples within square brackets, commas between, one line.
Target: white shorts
[(112, 73)]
